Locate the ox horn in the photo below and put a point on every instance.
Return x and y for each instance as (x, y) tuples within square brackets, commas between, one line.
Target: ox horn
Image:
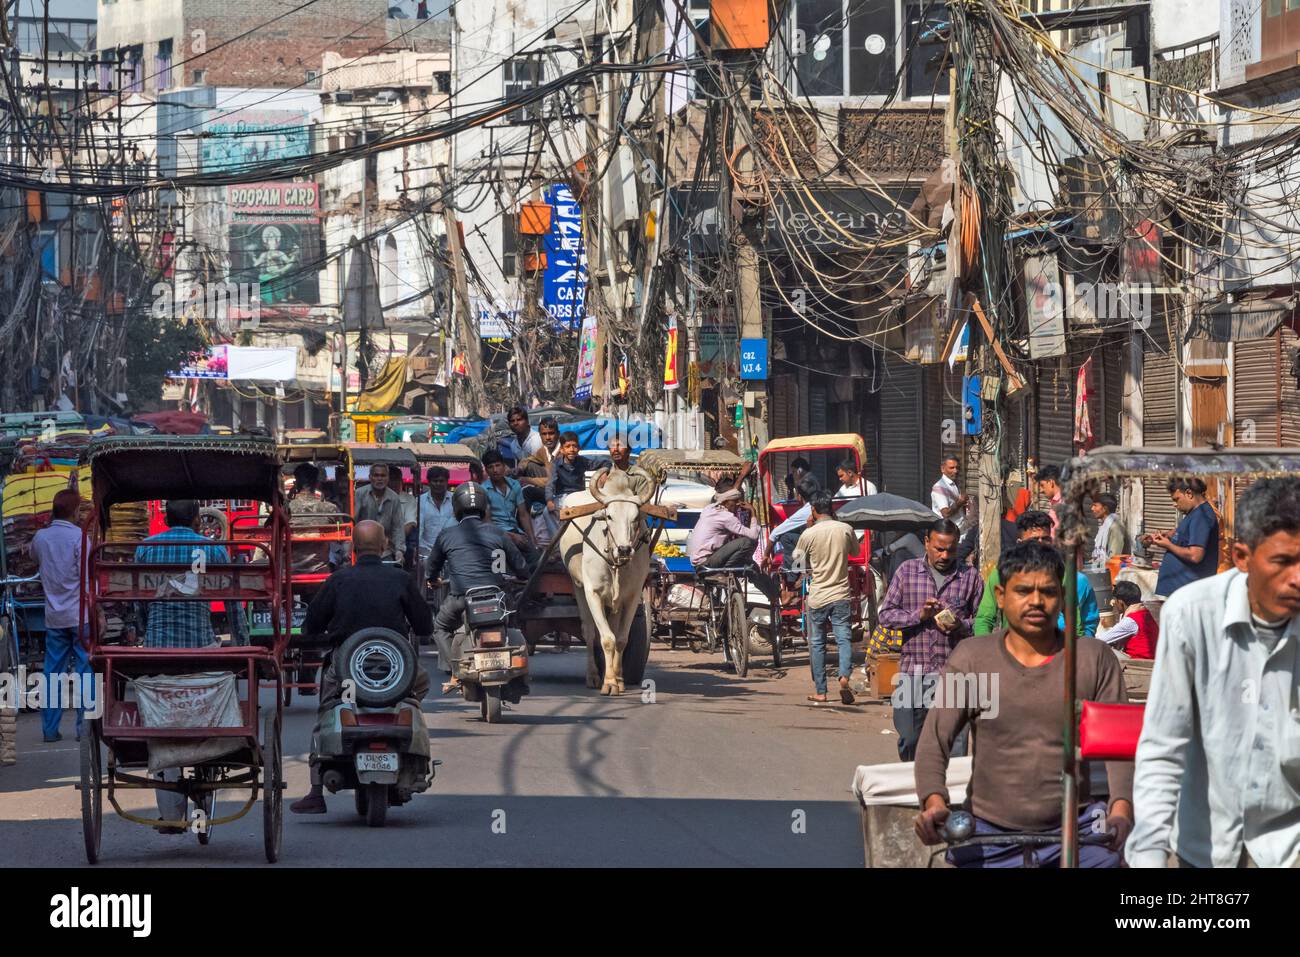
[(649, 495), (591, 488)]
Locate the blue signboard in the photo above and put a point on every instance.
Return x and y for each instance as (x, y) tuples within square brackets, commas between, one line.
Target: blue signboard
[(564, 283), (753, 358)]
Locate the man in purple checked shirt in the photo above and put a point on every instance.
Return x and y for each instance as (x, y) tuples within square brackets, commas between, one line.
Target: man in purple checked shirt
[(932, 601)]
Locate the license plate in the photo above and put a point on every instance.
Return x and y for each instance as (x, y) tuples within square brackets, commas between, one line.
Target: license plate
[(377, 761), (262, 619), (491, 660)]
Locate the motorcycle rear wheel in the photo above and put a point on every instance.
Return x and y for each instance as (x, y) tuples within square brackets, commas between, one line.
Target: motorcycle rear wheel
[(376, 804)]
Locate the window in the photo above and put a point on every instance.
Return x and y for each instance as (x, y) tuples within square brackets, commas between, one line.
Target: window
[(927, 65), (106, 67), (442, 81), (162, 66), (843, 47), (200, 77), (388, 273), (518, 77), (132, 59)]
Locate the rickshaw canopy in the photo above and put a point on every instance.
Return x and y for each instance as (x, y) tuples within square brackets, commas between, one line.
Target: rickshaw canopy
[(140, 468), (1117, 462), (397, 456), (690, 460), (816, 443)]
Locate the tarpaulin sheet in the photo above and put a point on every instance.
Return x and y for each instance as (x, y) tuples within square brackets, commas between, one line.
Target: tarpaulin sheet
[(208, 699)]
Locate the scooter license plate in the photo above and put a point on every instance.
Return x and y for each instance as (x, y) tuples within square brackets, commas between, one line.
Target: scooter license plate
[(377, 761), (491, 660)]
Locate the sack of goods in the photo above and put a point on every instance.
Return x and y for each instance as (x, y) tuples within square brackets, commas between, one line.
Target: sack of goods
[(688, 597)]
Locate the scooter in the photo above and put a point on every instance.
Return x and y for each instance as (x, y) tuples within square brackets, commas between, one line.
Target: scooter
[(492, 663), (374, 742)]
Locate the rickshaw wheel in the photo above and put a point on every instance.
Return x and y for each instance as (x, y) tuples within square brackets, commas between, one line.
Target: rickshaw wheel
[(272, 789), (738, 632), (288, 694), (92, 794)]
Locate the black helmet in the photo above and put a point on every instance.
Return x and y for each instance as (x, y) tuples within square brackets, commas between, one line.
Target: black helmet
[(469, 497)]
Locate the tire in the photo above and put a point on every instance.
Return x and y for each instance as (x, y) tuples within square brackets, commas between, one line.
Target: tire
[(288, 694), (92, 794), (272, 789), (738, 632), (636, 653), (376, 804), (215, 518), (359, 800), (8, 647), (381, 665), (490, 705)]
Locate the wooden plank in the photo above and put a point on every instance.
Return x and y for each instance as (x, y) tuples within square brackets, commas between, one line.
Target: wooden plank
[(1014, 382)]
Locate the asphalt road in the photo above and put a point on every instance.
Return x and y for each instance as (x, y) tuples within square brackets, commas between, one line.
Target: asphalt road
[(707, 770)]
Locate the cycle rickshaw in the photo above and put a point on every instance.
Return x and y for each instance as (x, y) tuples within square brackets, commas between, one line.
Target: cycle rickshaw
[(709, 609), (183, 708)]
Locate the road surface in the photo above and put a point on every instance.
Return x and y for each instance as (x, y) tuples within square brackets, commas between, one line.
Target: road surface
[(702, 769)]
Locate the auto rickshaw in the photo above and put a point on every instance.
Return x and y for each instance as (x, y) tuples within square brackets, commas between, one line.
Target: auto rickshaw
[(192, 710)]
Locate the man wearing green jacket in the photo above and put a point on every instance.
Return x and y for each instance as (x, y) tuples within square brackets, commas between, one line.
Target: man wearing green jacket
[(1037, 526)]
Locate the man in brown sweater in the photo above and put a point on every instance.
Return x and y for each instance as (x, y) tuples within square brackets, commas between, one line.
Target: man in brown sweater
[(1007, 685)]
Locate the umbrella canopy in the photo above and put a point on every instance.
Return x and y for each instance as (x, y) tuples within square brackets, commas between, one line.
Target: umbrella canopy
[(885, 513)]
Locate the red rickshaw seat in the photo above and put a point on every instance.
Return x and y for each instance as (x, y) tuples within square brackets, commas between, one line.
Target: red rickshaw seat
[(1109, 731)]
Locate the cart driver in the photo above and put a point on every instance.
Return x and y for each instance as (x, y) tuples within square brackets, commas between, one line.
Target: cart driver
[(369, 594), (620, 455), (475, 553)]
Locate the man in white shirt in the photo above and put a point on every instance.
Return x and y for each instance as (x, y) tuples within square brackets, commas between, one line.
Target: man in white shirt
[(947, 500), (435, 511), (852, 484), (57, 550), (1217, 779)]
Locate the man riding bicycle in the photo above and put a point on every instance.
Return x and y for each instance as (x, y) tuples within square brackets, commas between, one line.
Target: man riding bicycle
[(475, 553)]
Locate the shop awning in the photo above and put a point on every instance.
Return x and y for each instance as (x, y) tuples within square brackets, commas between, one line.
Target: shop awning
[(1242, 320)]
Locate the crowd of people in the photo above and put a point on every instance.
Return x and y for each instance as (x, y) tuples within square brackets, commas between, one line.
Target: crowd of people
[(1215, 780)]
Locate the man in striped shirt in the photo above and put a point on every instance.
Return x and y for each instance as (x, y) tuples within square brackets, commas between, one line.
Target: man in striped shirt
[(183, 624)]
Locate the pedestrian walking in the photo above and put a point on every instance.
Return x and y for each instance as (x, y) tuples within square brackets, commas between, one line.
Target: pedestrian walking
[(932, 601), (1217, 777), (947, 500), (1049, 486), (57, 550), (1192, 549), (823, 552)]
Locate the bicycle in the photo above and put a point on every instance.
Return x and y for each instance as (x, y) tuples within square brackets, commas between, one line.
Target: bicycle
[(727, 624)]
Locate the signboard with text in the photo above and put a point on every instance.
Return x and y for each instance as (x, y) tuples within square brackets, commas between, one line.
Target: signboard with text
[(753, 358)]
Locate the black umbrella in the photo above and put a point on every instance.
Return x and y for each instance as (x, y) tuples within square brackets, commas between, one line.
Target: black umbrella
[(886, 513)]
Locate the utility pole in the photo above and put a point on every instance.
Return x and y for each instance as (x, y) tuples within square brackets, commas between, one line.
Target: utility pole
[(468, 337), (749, 308)]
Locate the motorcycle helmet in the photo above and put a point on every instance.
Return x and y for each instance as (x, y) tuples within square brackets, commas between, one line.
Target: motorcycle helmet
[(469, 497)]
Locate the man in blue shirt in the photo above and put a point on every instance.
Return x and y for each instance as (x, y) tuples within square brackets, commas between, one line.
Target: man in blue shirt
[(1192, 550), (506, 502)]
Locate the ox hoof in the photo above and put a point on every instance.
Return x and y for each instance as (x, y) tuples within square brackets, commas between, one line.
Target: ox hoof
[(609, 688), (618, 687), (593, 681)]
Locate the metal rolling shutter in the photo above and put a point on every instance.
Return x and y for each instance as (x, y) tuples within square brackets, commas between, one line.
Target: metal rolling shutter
[(1055, 411), (1159, 422), (900, 427), (1110, 388), (1290, 389), (783, 423)]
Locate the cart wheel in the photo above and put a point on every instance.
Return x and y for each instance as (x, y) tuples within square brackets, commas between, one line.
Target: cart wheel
[(272, 789), (490, 705), (376, 804), (636, 653), (738, 632), (92, 794), (359, 800), (288, 694)]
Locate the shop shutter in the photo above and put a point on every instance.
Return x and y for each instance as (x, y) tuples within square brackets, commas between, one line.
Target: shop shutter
[(1159, 422), (867, 425), (1055, 409), (1110, 389), (900, 432), (783, 422), (1290, 390)]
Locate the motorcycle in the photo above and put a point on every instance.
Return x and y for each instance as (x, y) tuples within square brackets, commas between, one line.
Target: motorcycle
[(492, 664), (374, 742)]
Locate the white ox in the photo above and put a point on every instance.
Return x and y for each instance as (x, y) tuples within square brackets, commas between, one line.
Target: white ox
[(608, 557)]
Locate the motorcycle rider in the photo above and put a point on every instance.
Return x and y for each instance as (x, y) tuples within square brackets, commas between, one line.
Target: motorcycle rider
[(367, 594), (475, 553)]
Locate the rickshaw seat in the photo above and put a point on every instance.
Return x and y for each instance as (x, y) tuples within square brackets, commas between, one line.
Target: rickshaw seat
[(1109, 731)]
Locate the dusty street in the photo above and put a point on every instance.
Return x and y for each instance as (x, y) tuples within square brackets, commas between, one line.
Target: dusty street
[(714, 771)]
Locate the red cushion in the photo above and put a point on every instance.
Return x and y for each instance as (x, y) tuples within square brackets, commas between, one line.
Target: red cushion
[(1109, 731)]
